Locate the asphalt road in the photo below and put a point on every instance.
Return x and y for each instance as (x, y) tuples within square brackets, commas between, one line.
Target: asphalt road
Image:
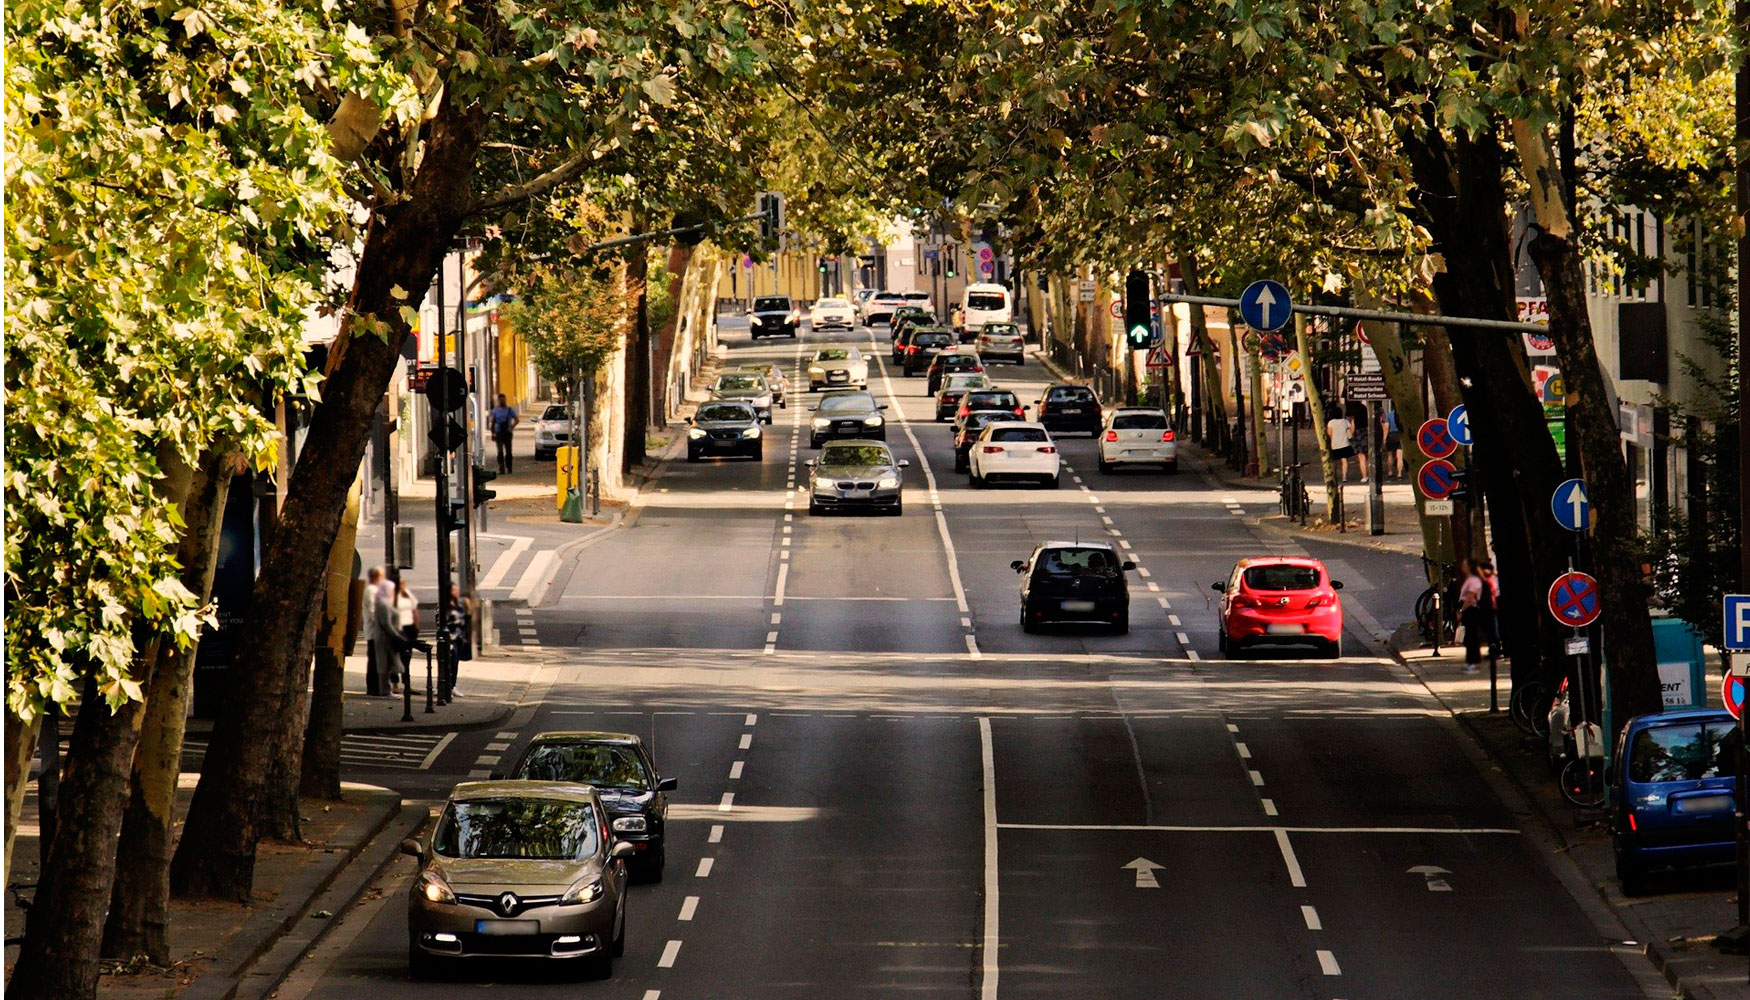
[(887, 789)]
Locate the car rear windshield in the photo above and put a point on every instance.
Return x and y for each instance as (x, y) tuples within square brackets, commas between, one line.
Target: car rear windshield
[(1282, 577), (986, 300), (1139, 422), (917, 296), (833, 304), (1019, 434), (925, 339), (724, 412), (967, 382), (1078, 562), (976, 420), (889, 297), (513, 827), (739, 382), (600, 764), (1073, 392), (855, 454), (1001, 330), (832, 354), (850, 402), (992, 400), (1684, 752), (771, 305), (959, 361)]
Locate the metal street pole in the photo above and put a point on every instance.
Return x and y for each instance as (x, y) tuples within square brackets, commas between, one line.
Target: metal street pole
[(442, 503), (1741, 14)]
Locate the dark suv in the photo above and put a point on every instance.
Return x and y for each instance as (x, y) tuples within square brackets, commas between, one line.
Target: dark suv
[(920, 345), (1068, 408), (1074, 582), (773, 316), (908, 316), (623, 774)]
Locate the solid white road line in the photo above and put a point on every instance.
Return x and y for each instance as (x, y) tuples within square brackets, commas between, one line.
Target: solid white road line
[(501, 566), (690, 906), (716, 834), (992, 937), (1328, 963), (1311, 916), (705, 866), (431, 758), (1296, 877), (929, 481), (670, 952), (1264, 828), (532, 577)]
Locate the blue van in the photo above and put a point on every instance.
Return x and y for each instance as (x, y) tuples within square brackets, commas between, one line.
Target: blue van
[(1674, 807)]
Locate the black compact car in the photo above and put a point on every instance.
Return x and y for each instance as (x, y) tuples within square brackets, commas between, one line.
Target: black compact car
[(773, 316), (847, 415), (989, 399), (966, 434), (1068, 408), (725, 428), (955, 362), (1080, 582), (622, 773), (922, 344), (909, 316)]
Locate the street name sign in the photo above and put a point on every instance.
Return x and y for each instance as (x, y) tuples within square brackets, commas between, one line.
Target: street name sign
[(1367, 386)]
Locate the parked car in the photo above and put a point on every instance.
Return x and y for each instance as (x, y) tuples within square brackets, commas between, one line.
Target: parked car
[(951, 361), (748, 388), (922, 344), (856, 475), (984, 302), (1001, 340), (1280, 599), (957, 385), (776, 380), (724, 427), (1068, 408), (624, 775), (1014, 451), (880, 307), (967, 430), (773, 316), (828, 314), (1074, 582), (1676, 798), (518, 869), (847, 415), (1138, 436), (552, 430), (837, 368)]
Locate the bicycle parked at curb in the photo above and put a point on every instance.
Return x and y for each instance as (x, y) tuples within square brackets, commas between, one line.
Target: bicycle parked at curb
[(1292, 496), (1437, 606)]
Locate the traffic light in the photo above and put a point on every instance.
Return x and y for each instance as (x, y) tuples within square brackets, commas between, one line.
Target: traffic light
[(771, 208), (950, 253), (455, 518), (1461, 490), (1138, 331), (481, 478)]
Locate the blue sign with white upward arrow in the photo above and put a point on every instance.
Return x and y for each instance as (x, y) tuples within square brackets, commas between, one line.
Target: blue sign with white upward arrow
[(1265, 307)]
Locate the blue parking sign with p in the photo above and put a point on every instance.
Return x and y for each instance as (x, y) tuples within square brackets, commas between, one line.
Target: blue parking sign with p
[(1737, 621)]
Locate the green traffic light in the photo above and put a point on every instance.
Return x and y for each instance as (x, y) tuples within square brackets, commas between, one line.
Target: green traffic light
[(1140, 337)]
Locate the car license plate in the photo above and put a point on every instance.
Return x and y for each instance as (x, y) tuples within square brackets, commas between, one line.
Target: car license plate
[(1078, 605), (1285, 629), (838, 376), (1068, 410), (506, 928), (1702, 804)]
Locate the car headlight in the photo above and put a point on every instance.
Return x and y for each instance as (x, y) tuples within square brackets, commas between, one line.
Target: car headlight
[(816, 370), (751, 432), (821, 423), (824, 486), (433, 887), (872, 421), (754, 321), (630, 824), (695, 433), (583, 891), (888, 483)]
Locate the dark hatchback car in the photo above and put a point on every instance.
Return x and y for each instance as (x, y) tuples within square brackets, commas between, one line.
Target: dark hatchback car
[(1676, 803), (1074, 582), (847, 415), (725, 428), (773, 316), (967, 432), (622, 773), (989, 399), (922, 344), (1067, 408), (906, 317), (947, 363)]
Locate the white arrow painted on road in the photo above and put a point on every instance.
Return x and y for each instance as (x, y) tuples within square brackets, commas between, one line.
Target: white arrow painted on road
[(1145, 873), (1431, 874), (1266, 299)]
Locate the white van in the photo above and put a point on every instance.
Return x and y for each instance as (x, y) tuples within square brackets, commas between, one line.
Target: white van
[(985, 303)]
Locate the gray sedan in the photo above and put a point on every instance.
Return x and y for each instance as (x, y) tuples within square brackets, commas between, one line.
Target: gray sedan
[(748, 388), (855, 475)]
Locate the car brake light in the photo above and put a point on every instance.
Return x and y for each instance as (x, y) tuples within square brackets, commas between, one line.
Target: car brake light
[(1018, 411), (1245, 601), (1631, 822), (1318, 602), (1046, 449), (978, 368), (1111, 435), (796, 315), (1166, 435), (992, 449)]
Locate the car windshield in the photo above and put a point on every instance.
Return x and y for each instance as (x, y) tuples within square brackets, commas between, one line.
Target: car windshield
[(1018, 434), (986, 300), (738, 383), (889, 297), (555, 413), (992, 400), (1078, 562), (724, 411), (771, 305), (967, 382), (1001, 330), (515, 827), (1282, 577), (1687, 752), (832, 304), (926, 339), (851, 402), (855, 454), (833, 354), (1139, 422), (606, 764), (959, 361)]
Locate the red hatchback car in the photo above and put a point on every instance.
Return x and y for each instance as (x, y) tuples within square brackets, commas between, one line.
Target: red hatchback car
[(1280, 599)]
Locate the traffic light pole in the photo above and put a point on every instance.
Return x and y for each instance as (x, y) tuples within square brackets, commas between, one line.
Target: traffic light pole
[(442, 503)]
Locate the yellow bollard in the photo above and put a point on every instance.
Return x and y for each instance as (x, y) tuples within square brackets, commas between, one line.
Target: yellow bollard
[(566, 473)]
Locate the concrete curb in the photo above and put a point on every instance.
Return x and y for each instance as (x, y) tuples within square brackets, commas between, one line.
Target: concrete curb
[(271, 940)]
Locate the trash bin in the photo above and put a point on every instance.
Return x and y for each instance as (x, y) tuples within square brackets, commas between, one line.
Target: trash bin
[(567, 473), (1682, 664)]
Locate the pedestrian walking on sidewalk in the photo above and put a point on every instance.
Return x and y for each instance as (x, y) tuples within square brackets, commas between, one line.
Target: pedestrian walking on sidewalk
[(1360, 431), (406, 610), (392, 654), (1476, 601), (373, 679), (458, 619), (1340, 433), (1393, 443), (503, 419)]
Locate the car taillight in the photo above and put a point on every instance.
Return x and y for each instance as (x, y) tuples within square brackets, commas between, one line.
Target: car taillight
[(796, 316), (1166, 435), (1244, 601), (1111, 435), (1018, 411), (1046, 449), (1631, 822), (978, 368), (963, 411), (1318, 602), (992, 449)]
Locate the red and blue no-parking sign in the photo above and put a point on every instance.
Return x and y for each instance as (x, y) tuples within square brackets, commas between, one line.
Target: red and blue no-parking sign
[(1435, 439), (1573, 599), (1732, 693), (1437, 479)]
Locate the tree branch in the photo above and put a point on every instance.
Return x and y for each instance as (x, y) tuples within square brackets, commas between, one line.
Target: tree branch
[(537, 185)]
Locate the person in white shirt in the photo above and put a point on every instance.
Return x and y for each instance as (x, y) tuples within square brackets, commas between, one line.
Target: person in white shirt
[(1341, 435)]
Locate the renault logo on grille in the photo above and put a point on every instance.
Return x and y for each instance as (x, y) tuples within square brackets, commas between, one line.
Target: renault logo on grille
[(507, 903)]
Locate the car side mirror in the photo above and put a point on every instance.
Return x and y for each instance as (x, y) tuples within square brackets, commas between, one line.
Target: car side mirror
[(1336, 585), (882, 406), (689, 421), (621, 850), (1218, 585), (411, 848), (667, 784), (1018, 565), (1129, 564), (904, 463), (809, 463)]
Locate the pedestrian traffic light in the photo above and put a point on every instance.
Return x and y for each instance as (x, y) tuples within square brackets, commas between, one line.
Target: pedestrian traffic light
[(950, 253), (481, 478), (1138, 331), (454, 516), (820, 264), (1460, 486)]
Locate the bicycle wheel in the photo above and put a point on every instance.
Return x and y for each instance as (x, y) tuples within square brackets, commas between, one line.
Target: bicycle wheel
[(1583, 782), (1425, 614), (1528, 700)]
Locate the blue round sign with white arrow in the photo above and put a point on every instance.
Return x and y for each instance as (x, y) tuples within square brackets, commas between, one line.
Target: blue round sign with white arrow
[(1458, 425), (1265, 307), (1572, 509)]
